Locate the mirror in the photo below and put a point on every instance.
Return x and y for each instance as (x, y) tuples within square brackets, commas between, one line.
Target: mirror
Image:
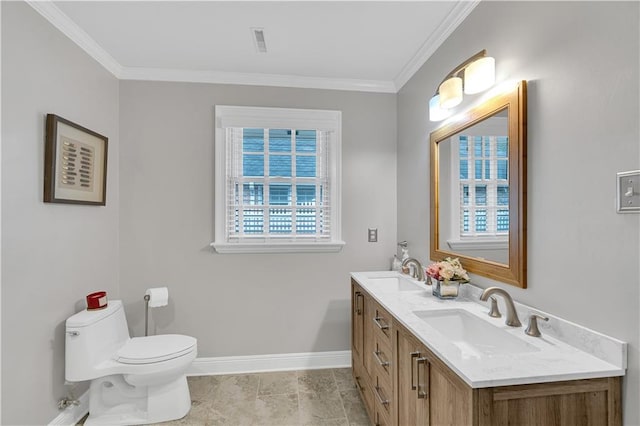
[(478, 188)]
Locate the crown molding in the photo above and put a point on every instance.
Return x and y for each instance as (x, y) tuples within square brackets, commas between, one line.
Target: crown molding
[(254, 79), (461, 10), (69, 28)]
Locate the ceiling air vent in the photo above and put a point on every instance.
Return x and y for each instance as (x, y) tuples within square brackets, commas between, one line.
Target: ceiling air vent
[(258, 40)]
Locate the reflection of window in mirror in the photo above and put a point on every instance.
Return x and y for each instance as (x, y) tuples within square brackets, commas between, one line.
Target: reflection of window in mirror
[(478, 180)]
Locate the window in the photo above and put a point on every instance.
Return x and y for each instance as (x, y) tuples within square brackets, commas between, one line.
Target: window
[(480, 176), (277, 180), (483, 185)]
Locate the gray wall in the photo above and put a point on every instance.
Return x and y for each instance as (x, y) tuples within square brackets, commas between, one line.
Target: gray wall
[(582, 63), (241, 304), (52, 254), (581, 60)]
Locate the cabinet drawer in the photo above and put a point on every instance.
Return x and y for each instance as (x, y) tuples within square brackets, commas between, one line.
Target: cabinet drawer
[(382, 395), (382, 323), (364, 386), (381, 357), (380, 418)]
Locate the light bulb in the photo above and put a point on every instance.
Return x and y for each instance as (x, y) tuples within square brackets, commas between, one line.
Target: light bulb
[(435, 112), (450, 92), (479, 75)]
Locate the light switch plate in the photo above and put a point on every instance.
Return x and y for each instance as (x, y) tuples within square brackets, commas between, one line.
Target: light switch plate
[(628, 192), (373, 235)]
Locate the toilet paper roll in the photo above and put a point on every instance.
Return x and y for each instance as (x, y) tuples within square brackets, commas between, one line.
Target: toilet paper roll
[(158, 296)]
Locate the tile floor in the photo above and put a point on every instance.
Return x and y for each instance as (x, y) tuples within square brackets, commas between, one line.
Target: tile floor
[(295, 398)]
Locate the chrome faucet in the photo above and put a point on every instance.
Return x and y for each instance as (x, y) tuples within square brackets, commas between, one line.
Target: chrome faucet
[(512, 315), (418, 271)]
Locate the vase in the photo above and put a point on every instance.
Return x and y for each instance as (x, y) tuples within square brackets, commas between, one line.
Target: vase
[(445, 289)]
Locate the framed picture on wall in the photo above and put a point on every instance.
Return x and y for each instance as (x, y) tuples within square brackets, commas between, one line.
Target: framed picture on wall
[(75, 164)]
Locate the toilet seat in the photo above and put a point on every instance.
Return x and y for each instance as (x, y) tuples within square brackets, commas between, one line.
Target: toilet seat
[(152, 349)]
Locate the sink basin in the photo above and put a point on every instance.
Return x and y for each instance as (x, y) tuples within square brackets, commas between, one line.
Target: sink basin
[(393, 284), (472, 335)]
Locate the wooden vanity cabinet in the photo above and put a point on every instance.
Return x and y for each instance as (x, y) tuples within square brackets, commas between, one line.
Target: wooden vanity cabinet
[(402, 383), (430, 393)]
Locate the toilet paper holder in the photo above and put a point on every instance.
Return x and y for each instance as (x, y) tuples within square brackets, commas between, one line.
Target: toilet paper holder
[(146, 314), (160, 298)]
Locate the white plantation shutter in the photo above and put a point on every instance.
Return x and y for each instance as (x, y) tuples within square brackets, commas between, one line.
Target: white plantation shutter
[(233, 172), (482, 172), (323, 186), (277, 187)]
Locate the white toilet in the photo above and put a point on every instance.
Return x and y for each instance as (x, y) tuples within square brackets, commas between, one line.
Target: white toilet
[(136, 380)]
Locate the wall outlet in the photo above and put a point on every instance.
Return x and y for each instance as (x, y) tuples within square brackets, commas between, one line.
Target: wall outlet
[(373, 235), (628, 192)]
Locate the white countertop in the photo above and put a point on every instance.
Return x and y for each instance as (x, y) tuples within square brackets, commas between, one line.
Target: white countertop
[(566, 351)]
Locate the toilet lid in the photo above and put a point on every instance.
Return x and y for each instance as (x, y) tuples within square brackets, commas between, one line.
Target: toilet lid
[(146, 350)]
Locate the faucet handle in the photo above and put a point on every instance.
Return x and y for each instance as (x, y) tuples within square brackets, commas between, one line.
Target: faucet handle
[(494, 311), (532, 329)]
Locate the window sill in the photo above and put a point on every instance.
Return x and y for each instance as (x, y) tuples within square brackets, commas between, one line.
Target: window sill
[(479, 244), (271, 247)]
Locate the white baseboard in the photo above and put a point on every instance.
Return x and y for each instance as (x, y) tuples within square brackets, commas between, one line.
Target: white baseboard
[(73, 414), (265, 363), (232, 365)]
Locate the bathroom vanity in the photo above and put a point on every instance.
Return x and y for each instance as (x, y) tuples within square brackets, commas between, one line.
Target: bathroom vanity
[(418, 360)]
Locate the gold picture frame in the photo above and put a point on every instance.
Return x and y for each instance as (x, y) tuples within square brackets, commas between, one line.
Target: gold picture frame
[(75, 164)]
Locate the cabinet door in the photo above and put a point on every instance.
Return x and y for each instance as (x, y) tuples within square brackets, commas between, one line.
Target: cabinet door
[(357, 322), (570, 403), (450, 398), (413, 407)]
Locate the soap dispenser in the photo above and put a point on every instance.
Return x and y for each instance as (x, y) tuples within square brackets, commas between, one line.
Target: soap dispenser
[(405, 250), (396, 265), (405, 254)]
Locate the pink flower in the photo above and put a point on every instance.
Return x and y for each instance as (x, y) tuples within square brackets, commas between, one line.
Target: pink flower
[(433, 271), (448, 269)]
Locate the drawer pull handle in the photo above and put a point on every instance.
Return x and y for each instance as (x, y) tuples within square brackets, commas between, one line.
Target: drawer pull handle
[(377, 319), (376, 354), (379, 396), (421, 394), (358, 384), (358, 308), (413, 355), (378, 419)]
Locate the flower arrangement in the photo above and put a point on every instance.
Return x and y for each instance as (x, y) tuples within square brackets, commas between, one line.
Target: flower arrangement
[(448, 270)]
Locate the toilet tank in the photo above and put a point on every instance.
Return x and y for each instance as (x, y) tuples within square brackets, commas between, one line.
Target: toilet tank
[(92, 337)]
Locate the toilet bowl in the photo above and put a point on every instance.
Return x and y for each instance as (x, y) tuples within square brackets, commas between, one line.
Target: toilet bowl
[(136, 380)]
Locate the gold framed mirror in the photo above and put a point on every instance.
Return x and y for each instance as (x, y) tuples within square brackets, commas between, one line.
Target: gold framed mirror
[(478, 188)]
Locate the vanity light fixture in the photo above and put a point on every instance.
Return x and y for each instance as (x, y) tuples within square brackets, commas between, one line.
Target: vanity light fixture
[(472, 76)]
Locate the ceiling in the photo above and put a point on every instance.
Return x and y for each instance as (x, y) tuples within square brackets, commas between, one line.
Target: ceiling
[(357, 45)]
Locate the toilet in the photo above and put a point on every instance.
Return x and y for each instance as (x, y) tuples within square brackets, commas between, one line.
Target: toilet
[(136, 380)]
